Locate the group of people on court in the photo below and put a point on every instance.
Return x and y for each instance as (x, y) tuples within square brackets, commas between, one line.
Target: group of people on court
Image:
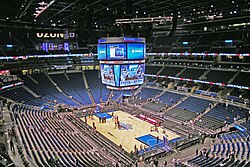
[(102, 119), (154, 128), (90, 114)]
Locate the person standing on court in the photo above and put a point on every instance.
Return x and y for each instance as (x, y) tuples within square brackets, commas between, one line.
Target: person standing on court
[(135, 148), (11, 145), (85, 117), (165, 163), (141, 147)]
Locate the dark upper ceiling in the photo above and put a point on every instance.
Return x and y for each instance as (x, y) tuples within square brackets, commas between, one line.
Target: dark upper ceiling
[(100, 14)]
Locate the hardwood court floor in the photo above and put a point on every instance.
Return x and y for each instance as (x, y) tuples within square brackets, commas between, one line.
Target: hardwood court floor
[(127, 137)]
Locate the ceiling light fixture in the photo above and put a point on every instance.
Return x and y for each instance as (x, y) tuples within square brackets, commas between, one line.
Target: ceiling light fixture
[(43, 7)]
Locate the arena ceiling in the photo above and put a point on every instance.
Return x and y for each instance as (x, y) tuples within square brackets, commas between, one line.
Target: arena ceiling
[(100, 14)]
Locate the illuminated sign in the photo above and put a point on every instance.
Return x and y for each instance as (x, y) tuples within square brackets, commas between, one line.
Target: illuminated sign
[(11, 85), (228, 41), (242, 129), (135, 51), (9, 46), (148, 119), (117, 40), (122, 88), (4, 72), (198, 54), (55, 35), (49, 35), (101, 50), (123, 62), (127, 39), (40, 56), (52, 46)]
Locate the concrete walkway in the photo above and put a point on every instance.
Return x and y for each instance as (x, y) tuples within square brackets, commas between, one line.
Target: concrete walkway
[(14, 155)]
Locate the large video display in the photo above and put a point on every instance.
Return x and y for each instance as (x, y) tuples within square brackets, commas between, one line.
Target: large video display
[(132, 74), (116, 51), (101, 50), (121, 51), (135, 51), (121, 75), (107, 74), (122, 61)]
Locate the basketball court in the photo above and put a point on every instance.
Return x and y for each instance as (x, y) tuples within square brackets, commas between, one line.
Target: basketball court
[(138, 134)]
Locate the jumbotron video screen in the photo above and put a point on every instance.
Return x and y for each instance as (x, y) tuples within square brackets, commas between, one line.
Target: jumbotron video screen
[(122, 61), (132, 74), (122, 75), (107, 74), (121, 51), (116, 51)]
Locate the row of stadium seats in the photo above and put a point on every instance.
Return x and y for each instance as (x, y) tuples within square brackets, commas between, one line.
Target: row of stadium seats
[(203, 43), (46, 135), (72, 85), (153, 106), (204, 161), (147, 93), (170, 98), (227, 113), (229, 149), (188, 108), (19, 94), (180, 114), (98, 90), (221, 76), (194, 104)]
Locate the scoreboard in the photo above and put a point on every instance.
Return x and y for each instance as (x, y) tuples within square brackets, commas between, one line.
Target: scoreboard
[(122, 61)]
